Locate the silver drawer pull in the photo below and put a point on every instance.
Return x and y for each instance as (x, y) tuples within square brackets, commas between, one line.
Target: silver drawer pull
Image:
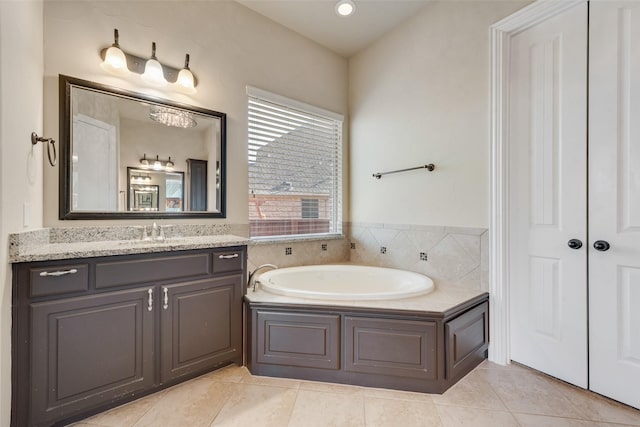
[(58, 273), (150, 300), (228, 256), (166, 298)]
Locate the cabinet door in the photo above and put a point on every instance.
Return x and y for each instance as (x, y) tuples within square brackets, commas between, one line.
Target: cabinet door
[(201, 325), (87, 351), (404, 348)]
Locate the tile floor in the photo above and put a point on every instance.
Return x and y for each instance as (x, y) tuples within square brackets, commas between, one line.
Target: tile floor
[(491, 395)]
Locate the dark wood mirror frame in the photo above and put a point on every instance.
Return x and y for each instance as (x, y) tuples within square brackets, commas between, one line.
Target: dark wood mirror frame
[(65, 212)]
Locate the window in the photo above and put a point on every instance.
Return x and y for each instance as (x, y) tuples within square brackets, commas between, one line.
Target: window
[(310, 208), (295, 167)]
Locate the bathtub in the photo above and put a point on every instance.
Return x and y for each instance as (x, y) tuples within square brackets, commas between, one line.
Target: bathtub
[(345, 282)]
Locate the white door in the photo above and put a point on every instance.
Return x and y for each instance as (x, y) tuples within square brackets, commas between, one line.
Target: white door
[(547, 196), (95, 165), (614, 200)]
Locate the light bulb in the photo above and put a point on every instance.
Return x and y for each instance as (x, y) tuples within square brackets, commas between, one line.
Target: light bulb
[(345, 8), (169, 165), (153, 73), (157, 165), (185, 78), (144, 162), (115, 60)]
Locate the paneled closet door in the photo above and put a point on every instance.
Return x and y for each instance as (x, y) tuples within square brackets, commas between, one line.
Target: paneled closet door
[(614, 200), (548, 196)]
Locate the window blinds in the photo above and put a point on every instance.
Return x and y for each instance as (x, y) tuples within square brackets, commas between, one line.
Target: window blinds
[(295, 168)]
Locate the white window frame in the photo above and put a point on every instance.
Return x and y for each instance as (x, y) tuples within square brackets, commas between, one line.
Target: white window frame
[(260, 94)]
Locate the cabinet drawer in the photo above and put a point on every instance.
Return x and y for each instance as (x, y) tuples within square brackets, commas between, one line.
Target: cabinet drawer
[(59, 279), (467, 338), (292, 339), (228, 261), (146, 270), (405, 348)]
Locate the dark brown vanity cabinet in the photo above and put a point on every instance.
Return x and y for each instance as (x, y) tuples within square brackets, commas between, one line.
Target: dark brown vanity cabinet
[(92, 334)]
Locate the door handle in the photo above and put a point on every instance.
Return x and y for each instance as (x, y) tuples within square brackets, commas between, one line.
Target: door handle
[(601, 245), (574, 243)]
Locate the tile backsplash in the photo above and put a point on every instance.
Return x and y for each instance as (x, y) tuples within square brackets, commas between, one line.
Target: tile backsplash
[(450, 255)]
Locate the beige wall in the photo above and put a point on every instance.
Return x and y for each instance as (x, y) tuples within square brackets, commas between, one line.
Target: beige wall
[(20, 164), (230, 46), (421, 95)]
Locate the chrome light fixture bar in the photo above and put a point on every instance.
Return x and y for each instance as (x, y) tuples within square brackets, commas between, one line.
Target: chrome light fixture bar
[(119, 62)]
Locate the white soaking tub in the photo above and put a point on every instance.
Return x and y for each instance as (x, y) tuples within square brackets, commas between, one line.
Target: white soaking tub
[(345, 282)]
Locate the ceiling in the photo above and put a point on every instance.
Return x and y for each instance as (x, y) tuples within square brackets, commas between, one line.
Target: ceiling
[(317, 20)]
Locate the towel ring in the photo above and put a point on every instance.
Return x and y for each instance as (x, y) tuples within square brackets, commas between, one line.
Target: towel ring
[(51, 144)]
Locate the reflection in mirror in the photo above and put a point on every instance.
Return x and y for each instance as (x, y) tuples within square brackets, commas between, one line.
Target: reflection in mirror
[(130, 155), (167, 189)]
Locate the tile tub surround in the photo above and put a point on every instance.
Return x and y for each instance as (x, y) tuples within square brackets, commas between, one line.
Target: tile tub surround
[(491, 395), (455, 256), (86, 242), (301, 251)]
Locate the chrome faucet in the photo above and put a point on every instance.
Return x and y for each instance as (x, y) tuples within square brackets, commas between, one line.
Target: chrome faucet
[(255, 271)]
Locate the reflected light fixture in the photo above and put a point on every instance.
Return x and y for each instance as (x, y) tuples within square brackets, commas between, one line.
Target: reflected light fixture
[(169, 165), (157, 165), (153, 73), (345, 8), (185, 78), (114, 59), (172, 117)]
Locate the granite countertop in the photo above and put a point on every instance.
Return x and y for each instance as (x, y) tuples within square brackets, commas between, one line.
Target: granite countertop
[(442, 299), (51, 244)]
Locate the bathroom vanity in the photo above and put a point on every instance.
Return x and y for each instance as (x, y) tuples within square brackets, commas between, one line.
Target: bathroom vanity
[(93, 333)]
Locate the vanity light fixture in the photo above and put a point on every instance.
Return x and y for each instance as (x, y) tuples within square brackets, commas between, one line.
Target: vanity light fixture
[(115, 60), (157, 164), (152, 71), (345, 8), (169, 165), (185, 77), (172, 117)]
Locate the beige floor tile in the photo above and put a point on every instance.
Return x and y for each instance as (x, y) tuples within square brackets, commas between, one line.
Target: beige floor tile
[(457, 416), (393, 413), (229, 374), (192, 404), (530, 393), (330, 387), (529, 420), (473, 391), (271, 381), (322, 409), (396, 394), (83, 424), (126, 415), (256, 405), (597, 408)]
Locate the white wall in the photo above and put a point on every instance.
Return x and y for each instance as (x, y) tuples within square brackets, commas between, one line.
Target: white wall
[(21, 71), (421, 95), (230, 46)]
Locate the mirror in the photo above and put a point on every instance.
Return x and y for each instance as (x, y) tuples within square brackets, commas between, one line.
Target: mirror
[(129, 155)]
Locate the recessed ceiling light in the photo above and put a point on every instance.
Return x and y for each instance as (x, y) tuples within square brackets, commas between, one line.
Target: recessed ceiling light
[(345, 8)]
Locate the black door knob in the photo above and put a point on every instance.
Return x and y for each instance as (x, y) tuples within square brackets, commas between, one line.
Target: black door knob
[(574, 244), (601, 245)]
